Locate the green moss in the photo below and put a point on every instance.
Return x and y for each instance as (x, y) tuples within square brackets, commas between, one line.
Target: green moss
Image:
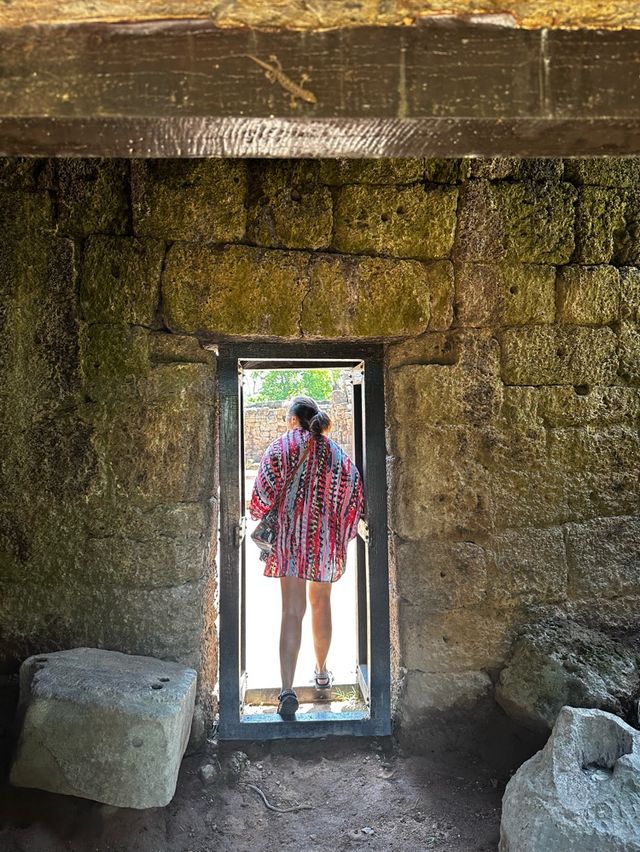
[(190, 199), (537, 221), (93, 196), (403, 222), (380, 171), (234, 290), (288, 206), (369, 297), (588, 295), (604, 171), (599, 217), (121, 279), (113, 356)]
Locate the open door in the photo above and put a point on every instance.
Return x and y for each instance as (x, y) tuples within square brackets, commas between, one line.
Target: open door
[(238, 697)]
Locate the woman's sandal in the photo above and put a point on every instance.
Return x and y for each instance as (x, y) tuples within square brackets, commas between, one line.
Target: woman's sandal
[(323, 680), (287, 704)]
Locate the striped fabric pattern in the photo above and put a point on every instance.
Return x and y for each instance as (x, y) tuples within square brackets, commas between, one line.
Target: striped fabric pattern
[(318, 515)]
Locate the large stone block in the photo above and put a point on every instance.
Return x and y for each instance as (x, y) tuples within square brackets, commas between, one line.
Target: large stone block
[(113, 357), (234, 290), (599, 216), (190, 199), (373, 297), (581, 792), (504, 294), (603, 171), (379, 171), (103, 725), (603, 557), (588, 295), (402, 222), (93, 196), (121, 279), (288, 206), (526, 566), (545, 355), (582, 405), (553, 663)]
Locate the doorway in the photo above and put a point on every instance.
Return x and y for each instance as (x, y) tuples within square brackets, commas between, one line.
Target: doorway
[(249, 619)]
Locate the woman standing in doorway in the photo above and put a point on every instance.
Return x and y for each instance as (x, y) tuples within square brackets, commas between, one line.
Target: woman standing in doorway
[(317, 492)]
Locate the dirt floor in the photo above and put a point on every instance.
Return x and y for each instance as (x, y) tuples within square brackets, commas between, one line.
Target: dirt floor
[(357, 795)]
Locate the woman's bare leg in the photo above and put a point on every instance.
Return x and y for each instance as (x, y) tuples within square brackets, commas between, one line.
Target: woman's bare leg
[(294, 602), (320, 600)]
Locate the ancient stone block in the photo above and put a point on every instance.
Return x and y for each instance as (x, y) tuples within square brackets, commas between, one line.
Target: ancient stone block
[(429, 348), (234, 290), (437, 575), (538, 220), (603, 171), (603, 557), (629, 366), (579, 792), (372, 297), (504, 294), (599, 216), (121, 279), (379, 171), (526, 566), (588, 295), (543, 355), (479, 236), (190, 199), (553, 663), (446, 171), (497, 168), (288, 206), (403, 222), (626, 240), (155, 439), (582, 405), (104, 726), (112, 356), (630, 294), (427, 691), (167, 348), (93, 196), (471, 638)]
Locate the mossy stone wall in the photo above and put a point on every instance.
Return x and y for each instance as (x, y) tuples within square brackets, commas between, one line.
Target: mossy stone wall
[(508, 295)]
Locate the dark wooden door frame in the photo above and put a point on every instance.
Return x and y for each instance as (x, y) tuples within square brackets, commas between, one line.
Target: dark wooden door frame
[(377, 721), (190, 89)]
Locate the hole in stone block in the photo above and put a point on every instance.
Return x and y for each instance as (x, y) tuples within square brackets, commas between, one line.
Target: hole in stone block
[(384, 217), (156, 686), (581, 390), (136, 742), (163, 679), (295, 195), (400, 211), (561, 352), (513, 289), (115, 270), (42, 659)]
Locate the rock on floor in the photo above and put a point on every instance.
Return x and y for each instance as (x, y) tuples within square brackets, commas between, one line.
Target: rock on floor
[(103, 725), (581, 793)]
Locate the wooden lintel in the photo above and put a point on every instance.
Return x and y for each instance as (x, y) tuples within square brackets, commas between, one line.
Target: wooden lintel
[(189, 88)]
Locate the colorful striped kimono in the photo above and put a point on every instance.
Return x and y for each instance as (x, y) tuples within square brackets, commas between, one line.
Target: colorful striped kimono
[(319, 505)]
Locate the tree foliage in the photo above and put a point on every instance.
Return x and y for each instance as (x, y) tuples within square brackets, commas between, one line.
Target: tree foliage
[(283, 384)]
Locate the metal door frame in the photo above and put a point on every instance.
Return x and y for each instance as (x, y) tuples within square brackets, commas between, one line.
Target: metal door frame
[(377, 721)]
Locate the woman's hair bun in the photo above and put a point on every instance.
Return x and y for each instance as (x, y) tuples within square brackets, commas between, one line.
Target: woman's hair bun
[(319, 423)]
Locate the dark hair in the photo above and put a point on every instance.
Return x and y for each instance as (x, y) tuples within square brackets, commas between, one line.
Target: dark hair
[(309, 415)]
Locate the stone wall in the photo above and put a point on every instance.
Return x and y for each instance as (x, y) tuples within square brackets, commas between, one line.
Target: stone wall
[(264, 422), (508, 293)]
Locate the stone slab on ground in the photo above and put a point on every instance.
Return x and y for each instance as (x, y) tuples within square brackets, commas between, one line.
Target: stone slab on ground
[(581, 793), (103, 725)]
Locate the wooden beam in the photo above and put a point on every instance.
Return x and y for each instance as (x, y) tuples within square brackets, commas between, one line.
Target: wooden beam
[(189, 88)]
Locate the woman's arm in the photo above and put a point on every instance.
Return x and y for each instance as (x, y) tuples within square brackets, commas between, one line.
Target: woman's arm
[(268, 484)]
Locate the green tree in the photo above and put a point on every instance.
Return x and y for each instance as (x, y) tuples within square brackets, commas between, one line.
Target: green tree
[(283, 384)]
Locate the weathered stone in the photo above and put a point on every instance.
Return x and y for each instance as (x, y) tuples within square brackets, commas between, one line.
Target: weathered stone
[(603, 557), (583, 405), (629, 366), (603, 171), (492, 168), (581, 793), (104, 726), (18, 172), (526, 566), (190, 199), (379, 171), (404, 222), (93, 196), (289, 207), (543, 355), (480, 232), (234, 290), (630, 294), (588, 295), (372, 297), (599, 216), (166, 348), (154, 441), (424, 692), (538, 221), (438, 575), (446, 171), (472, 638), (429, 348), (553, 663), (504, 294), (121, 279), (112, 356)]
